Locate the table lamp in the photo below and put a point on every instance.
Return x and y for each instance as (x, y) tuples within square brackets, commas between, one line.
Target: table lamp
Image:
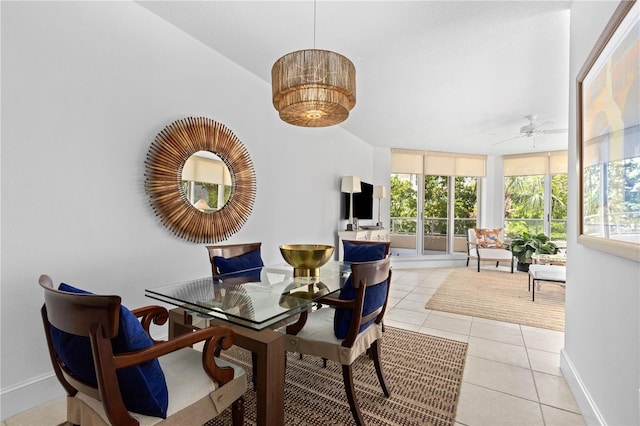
[(350, 184), (379, 192)]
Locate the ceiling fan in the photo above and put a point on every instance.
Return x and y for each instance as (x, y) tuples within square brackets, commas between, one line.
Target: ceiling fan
[(531, 130)]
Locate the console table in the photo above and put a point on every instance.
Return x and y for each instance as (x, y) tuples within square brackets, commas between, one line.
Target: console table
[(380, 234)]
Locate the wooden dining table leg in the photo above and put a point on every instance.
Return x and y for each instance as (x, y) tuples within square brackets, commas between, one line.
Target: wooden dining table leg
[(269, 349)]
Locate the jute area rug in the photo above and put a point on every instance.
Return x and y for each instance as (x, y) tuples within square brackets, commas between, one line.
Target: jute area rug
[(423, 373), (500, 296)]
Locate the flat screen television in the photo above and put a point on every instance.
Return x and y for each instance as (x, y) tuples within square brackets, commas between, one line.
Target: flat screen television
[(362, 202)]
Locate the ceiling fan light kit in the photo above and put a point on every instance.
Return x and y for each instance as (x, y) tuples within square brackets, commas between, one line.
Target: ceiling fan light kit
[(531, 130)]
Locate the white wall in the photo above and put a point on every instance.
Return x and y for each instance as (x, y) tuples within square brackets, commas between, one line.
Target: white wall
[(86, 87), (492, 194), (601, 358)]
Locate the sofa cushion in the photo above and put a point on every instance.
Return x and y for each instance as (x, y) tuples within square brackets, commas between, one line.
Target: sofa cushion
[(489, 238), (143, 386), (374, 298), (363, 252), (250, 260)]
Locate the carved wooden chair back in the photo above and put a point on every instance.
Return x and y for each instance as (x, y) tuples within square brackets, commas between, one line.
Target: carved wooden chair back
[(98, 318), (229, 251)]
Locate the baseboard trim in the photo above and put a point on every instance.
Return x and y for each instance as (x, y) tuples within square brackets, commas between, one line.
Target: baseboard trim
[(23, 396), (588, 407), (411, 262)]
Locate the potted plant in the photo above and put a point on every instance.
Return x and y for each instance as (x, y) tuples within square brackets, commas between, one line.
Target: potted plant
[(526, 245)]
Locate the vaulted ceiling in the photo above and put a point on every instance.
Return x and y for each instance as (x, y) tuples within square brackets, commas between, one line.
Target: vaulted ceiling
[(431, 75)]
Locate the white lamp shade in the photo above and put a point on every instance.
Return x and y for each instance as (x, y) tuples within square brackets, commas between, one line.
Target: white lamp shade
[(379, 191), (201, 205), (351, 184)]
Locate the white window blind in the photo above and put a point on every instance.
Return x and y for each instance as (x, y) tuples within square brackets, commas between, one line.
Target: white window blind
[(406, 162), (438, 163), (617, 146), (539, 163), (206, 170)]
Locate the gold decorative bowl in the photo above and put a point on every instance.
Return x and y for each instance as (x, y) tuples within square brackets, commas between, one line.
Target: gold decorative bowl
[(306, 259)]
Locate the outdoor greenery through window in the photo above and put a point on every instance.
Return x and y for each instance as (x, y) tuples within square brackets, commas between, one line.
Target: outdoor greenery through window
[(535, 194), (433, 200), (524, 206), (436, 206), (612, 200), (404, 203)]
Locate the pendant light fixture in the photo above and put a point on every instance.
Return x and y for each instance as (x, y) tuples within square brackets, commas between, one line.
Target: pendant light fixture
[(313, 88)]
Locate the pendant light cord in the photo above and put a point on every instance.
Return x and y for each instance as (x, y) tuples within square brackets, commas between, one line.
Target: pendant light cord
[(314, 23)]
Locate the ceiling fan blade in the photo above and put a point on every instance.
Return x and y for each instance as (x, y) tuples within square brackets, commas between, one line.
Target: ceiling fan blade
[(551, 131), (537, 125), (506, 140)]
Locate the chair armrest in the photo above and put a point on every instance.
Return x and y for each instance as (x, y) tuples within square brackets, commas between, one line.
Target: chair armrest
[(148, 314), (326, 300), (216, 338), (337, 303)]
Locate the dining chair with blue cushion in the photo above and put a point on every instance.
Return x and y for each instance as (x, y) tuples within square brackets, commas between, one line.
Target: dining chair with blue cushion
[(365, 250), (114, 373), (230, 258), (352, 329)]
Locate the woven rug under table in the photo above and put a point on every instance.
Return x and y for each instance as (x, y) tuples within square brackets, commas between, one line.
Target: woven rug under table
[(500, 296), (423, 372)]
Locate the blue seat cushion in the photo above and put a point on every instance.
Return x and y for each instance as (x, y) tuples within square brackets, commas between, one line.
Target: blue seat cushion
[(374, 298), (250, 260), (363, 252), (143, 386)]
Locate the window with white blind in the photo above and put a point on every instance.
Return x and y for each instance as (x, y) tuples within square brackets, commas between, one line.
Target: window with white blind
[(434, 200), (535, 198)]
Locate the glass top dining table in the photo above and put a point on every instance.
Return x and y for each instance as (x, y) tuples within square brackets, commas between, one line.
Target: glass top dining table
[(256, 298)]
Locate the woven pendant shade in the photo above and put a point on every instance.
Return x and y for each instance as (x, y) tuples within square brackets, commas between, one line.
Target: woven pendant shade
[(313, 88)]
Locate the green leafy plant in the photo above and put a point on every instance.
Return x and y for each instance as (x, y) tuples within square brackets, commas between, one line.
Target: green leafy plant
[(526, 245)]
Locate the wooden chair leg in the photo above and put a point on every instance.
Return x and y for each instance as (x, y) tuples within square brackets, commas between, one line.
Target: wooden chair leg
[(237, 412), (347, 376), (324, 363), (374, 354), (478, 264)]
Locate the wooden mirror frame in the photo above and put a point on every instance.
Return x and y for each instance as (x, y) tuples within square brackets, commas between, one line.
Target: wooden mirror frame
[(163, 175)]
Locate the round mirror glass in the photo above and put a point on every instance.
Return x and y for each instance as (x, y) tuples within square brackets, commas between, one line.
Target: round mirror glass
[(206, 181)]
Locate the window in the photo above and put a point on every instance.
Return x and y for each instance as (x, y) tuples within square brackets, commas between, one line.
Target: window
[(535, 198), (433, 200)]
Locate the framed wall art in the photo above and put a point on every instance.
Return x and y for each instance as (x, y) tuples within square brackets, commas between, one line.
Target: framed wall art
[(608, 137)]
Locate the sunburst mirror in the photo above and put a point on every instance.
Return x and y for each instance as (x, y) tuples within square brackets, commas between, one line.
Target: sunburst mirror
[(200, 206)]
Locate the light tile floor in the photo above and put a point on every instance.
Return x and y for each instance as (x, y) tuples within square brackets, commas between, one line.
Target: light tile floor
[(512, 372)]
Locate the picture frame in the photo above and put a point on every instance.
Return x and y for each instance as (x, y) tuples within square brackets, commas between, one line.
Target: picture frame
[(608, 138)]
